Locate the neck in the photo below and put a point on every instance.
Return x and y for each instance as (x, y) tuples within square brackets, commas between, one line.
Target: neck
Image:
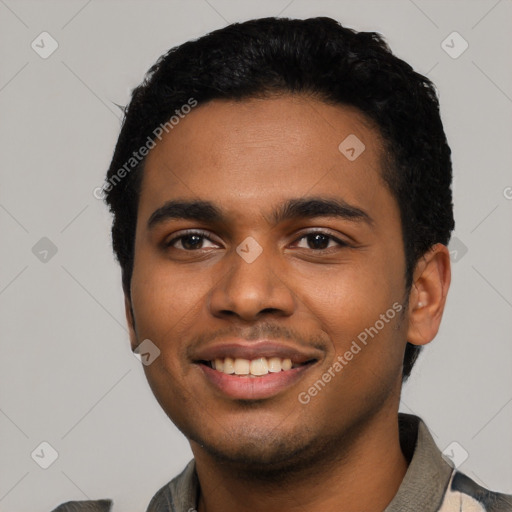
[(363, 473)]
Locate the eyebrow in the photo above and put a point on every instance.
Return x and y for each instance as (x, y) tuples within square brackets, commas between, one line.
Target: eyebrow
[(301, 208)]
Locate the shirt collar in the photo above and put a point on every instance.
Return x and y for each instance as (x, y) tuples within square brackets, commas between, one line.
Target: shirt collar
[(428, 474)]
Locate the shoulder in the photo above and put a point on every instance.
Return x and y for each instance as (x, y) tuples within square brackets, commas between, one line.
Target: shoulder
[(465, 494), (180, 494)]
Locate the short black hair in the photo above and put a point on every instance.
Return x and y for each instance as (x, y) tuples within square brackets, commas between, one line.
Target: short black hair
[(318, 57)]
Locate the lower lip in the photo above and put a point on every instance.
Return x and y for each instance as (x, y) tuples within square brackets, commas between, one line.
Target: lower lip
[(254, 388)]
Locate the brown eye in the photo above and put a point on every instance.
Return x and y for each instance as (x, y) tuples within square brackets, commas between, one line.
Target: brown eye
[(319, 241), (189, 241)]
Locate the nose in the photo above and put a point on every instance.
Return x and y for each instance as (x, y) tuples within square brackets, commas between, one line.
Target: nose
[(250, 288)]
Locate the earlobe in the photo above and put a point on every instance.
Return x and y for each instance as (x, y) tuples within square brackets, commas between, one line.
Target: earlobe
[(131, 322), (428, 294)]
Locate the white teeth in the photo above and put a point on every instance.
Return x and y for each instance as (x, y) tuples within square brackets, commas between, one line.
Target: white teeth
[(274, 364), (286, 364), (242, 366), (257, 367), (229, 368)]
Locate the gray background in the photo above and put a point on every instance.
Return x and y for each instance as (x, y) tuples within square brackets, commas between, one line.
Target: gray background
[(68, 376)]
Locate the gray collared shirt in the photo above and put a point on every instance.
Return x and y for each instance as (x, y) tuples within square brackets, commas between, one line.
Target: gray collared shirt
[(431, 483)]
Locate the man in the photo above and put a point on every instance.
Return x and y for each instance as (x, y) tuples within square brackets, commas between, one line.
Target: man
[(282, 209)]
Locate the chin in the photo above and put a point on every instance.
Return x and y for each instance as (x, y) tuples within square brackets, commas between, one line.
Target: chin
[(259, 460), (269, 455)]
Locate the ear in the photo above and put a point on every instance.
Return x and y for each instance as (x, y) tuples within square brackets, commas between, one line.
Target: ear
[(427, 298), (131, 322)]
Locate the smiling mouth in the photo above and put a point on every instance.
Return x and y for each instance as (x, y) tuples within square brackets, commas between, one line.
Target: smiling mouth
[(259, 367)]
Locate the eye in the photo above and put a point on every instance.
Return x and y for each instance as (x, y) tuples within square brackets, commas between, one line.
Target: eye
[(195, 240), (319, 241), (189, 241)]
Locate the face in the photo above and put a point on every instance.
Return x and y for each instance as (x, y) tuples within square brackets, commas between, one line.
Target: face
[(292, 255)]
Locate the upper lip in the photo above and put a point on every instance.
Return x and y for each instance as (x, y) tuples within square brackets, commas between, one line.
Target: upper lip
[(253, 350)]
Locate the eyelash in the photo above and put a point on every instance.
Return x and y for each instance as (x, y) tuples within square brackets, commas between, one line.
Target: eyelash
[(204, 234)]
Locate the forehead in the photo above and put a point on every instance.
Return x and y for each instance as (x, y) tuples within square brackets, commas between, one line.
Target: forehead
[(248, 154)]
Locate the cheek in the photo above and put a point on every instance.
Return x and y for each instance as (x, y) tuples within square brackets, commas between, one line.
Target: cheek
[(162, 292), (166, 305), (347, 302), (347, 298)]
